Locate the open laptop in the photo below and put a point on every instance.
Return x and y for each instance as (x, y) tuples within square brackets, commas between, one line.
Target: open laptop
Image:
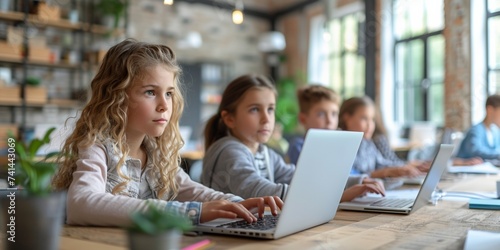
[(482, 168), (400, 205), (323, 167)]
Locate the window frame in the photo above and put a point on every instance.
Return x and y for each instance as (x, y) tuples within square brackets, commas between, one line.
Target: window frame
[(320, 58), (489, 89), (424, 37), (342, 55)]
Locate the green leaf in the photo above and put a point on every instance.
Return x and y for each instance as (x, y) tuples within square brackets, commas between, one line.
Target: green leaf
[(46, 137), (35, 176), (34, 146), (155, 220), (52, 155), (43, 175), (287, 108), (21, 151)]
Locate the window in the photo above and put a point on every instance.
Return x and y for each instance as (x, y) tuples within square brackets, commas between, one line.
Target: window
[(346, 61), (493, 45), (337, 54), (419, 61)]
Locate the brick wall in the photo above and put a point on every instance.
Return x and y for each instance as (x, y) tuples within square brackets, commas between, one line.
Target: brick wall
[(223, 41), (457, 64)]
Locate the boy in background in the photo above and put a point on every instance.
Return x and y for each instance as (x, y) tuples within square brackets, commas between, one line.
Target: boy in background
[(319, 108), (483, 139)]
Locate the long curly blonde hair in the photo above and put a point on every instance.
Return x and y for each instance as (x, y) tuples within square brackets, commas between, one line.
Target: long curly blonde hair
[(105, 115)]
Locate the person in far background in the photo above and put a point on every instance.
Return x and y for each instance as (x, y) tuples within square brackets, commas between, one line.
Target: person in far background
[(381, 140), (483, 139), (358, 114)]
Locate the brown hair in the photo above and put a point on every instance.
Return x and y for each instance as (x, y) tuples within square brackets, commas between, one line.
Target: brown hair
[(104, 117), (350, 106), (493, 100), (312, 94), (215, 127), (379, 124)]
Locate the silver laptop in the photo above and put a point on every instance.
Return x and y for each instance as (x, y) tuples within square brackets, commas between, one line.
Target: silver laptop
[(400, 205), (323, 167)]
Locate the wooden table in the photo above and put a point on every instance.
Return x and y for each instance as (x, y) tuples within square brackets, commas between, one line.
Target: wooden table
[(193, 154), (443, 226)]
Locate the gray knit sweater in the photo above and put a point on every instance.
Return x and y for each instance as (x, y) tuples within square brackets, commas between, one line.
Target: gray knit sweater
[(229, 166)]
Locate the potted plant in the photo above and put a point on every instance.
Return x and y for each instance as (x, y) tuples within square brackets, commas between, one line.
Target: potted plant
[(157, 229), (287, 109), (32, 213), (114, 9)]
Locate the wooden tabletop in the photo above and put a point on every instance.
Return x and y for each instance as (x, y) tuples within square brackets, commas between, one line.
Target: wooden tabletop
[(193, 154), (440, 226)]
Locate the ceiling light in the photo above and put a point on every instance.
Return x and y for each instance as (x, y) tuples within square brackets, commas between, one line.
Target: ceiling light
[(272, 41), (237, 16), (168, 2), (238, 12)]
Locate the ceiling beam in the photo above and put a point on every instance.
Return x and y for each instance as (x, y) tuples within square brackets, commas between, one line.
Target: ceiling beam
[(230, 7), (271, 17), (254, 12), (299, 6)]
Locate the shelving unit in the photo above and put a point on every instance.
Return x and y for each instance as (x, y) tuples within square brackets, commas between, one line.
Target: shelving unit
[(205, 83), (215, 77), (82, 31), (62, 24), (19, 62)]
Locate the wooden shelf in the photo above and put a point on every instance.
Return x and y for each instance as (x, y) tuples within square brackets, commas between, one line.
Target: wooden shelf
[(62, 23), (65, 103), (61, 103), (40, 63)]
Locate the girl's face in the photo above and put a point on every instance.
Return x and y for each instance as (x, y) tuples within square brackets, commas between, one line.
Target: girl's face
[(253, 121), (361, 120), (322, 115), (150, 103)]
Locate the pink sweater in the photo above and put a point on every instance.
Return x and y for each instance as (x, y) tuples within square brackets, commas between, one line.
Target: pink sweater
[(88, 202)]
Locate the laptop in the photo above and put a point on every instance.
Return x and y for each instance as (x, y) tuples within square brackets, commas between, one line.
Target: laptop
[(323, 167), (417, 180), (405, 206), (483, 168)]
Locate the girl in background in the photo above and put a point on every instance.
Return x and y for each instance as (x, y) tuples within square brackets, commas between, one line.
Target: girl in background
[(358, 114)]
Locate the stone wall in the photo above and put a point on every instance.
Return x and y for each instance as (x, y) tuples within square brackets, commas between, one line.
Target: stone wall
[(222, 40)]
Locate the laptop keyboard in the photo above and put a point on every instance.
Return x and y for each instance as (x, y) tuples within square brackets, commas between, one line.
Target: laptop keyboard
[(267, 222), (396, 203)]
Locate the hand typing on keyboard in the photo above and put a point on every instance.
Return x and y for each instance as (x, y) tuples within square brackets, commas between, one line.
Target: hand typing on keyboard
[(264, 223), (369, 186), (225, 209)]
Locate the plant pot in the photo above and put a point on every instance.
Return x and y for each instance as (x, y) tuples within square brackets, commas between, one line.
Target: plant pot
[(167, 240), (32, 222)]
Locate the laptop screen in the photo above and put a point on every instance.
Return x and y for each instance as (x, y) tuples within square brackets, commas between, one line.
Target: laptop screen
[(438, 166)]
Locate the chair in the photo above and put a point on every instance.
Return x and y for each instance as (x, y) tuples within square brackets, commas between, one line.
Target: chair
[(195, 170)]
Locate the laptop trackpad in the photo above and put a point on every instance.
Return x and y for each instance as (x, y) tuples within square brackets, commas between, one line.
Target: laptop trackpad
[(217, 222), (364, 200), (221, 221)]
